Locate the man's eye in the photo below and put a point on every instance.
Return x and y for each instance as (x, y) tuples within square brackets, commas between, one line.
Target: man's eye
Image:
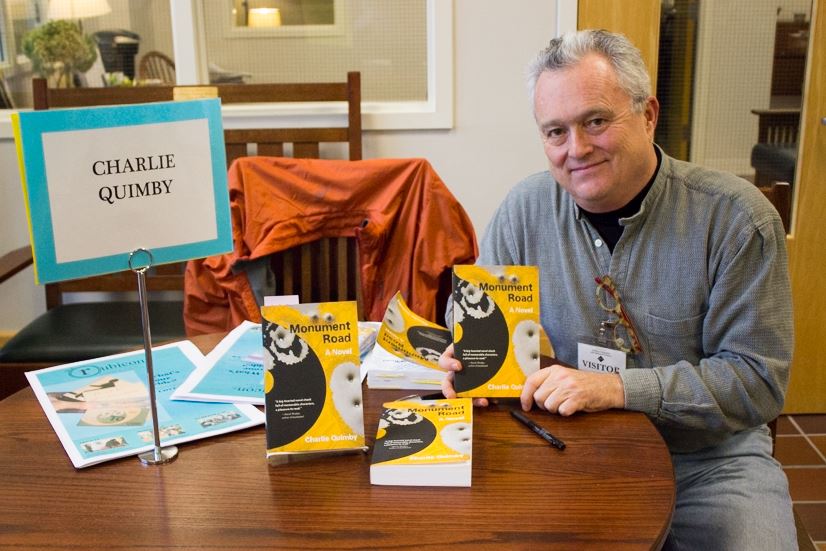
[(596, 123), (554, 133)]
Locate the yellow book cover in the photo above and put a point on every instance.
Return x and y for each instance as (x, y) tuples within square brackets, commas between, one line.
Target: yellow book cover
[(407, 335), (424, 443), (312, 386), (495, 328)]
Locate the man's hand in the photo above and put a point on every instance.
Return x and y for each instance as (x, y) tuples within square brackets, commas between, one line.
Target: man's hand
[(565, 391), (449, 363)]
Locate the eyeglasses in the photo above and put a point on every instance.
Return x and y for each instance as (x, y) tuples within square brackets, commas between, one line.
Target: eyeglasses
[(609, 300)]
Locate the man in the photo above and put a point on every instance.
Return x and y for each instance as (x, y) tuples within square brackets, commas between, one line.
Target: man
[(676, 271)]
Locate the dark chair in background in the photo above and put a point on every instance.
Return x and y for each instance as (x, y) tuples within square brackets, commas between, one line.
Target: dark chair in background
[(774, 156), (83, 330)]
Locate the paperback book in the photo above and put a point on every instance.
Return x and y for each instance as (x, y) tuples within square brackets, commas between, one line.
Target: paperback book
[(424, 443), (313, 398), (495, 328), (407, 351), (100, 408)]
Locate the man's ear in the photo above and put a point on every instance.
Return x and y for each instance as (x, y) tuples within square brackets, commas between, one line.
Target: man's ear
[(651, 113)]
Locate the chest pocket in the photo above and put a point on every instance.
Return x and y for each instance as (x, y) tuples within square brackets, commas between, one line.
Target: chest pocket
[(671, 340)]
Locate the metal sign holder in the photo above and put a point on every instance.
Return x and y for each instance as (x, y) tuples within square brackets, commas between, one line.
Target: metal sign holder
[(158, 455)]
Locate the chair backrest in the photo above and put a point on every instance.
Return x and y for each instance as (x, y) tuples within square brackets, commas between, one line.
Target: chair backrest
[(777, 126), (320, 271), (268, 141), (156, 66), (779, 194)]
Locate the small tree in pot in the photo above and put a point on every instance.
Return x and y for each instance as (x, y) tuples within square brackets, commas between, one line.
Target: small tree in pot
[(57, 49)]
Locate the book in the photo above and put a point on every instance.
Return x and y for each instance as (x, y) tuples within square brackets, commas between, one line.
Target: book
[(100, 408), (407, 350), (424, 443), (388, 371), (312, 382), (495, 329)]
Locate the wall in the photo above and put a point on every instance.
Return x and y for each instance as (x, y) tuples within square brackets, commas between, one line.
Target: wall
[(493, 144)]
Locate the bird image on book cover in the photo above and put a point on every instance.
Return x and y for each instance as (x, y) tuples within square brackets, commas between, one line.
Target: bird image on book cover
[(424, 443), (495, 328), (312, 386)]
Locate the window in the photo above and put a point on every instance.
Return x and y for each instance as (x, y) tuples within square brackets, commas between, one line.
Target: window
[(402, 48)]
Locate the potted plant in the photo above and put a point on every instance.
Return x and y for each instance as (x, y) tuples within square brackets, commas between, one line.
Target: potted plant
[(58, 49)]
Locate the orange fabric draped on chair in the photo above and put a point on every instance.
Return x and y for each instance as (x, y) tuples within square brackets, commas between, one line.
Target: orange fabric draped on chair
[(409, 227)]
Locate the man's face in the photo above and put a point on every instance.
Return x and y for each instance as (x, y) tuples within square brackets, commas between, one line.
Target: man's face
[(599, 148)]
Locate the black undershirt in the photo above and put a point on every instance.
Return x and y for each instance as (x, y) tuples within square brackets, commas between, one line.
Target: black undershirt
[(607, 223)]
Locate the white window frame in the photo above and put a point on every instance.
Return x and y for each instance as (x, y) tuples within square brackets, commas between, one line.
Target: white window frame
[(434, 113)]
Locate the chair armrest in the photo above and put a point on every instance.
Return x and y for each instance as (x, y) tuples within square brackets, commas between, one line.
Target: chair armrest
[(15, 261)]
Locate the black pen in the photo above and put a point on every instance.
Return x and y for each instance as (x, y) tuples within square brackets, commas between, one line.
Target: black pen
[(547, 436)]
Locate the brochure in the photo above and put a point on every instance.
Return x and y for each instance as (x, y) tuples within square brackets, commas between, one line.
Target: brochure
[(100, 408), (313, 399), (232, 372), (424, 443), (496, 328)]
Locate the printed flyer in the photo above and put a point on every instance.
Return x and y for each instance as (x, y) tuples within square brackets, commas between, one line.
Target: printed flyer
[(496, 328), (312, 382), (232, 372), (100, 408)]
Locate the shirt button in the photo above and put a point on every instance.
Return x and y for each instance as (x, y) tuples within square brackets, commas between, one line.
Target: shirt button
[(598, 242)]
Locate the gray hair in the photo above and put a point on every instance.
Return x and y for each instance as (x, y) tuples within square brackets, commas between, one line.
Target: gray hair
[(569, 49)]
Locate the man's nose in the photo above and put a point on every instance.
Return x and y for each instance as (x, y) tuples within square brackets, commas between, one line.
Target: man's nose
[(579, 144)]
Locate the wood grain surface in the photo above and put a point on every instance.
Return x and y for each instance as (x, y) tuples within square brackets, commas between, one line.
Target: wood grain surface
[(611, 488)]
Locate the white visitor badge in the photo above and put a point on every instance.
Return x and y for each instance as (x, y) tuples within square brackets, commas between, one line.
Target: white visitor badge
[(602, 359)]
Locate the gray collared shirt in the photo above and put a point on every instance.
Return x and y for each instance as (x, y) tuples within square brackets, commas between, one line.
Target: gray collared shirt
[(703, 274)]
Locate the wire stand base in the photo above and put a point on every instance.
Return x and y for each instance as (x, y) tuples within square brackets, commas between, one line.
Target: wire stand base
[(158, 455)]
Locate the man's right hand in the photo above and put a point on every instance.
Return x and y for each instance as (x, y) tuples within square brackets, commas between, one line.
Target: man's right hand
[(449, 363)]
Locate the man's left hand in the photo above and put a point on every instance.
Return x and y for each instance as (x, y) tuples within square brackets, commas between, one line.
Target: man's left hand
[(565, 391)]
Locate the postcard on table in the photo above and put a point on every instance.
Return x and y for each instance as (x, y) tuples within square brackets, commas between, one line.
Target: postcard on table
[(102, 182), (100, 408)]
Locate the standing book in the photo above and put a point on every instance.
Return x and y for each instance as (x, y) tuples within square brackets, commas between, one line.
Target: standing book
[(312, 383), (495, 329), (424, 443)]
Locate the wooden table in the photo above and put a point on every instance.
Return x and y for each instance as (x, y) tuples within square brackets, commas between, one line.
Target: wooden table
[(612, 488)]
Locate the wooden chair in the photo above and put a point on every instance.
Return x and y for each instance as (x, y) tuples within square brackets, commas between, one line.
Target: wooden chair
[(42, 345), (774, 156), (156, 66), (83, 329), (779, 194)]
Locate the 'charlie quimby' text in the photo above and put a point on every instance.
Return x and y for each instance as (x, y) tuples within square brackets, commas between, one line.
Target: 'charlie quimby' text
[(110, 194)]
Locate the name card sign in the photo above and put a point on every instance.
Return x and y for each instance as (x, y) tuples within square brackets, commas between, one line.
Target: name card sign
[(102, 182)]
